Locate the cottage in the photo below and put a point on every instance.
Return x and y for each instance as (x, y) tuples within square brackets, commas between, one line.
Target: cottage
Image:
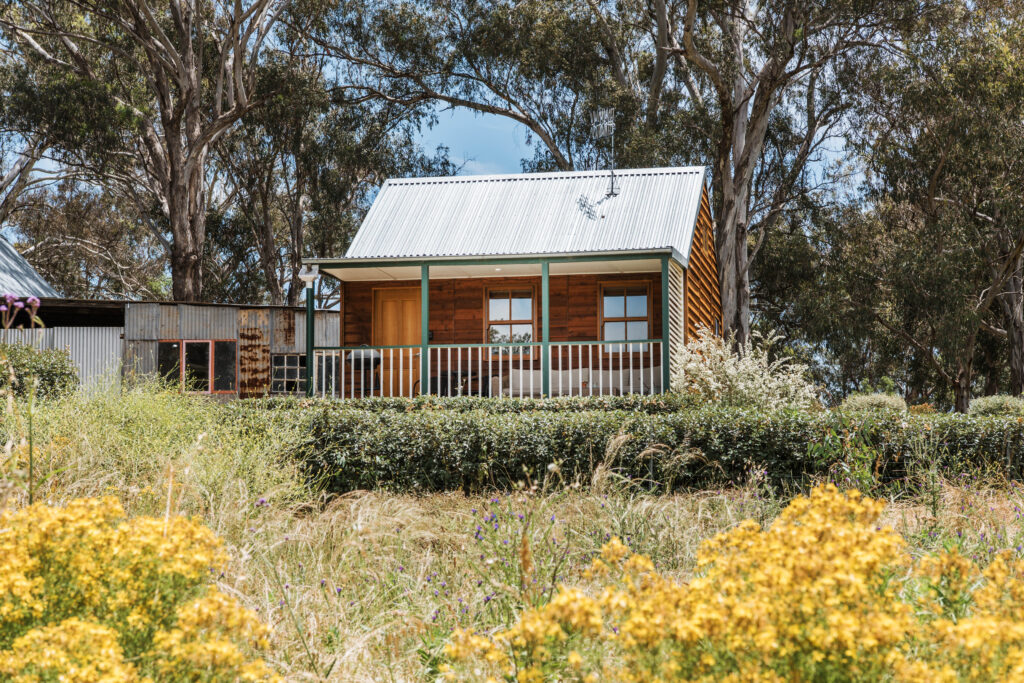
[(542, 284)]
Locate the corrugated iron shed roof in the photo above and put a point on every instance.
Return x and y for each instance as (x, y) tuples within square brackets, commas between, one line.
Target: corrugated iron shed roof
[(18, 277), (533, 213)]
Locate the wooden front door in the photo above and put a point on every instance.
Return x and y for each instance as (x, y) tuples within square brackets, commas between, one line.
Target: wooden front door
[(396, 322)]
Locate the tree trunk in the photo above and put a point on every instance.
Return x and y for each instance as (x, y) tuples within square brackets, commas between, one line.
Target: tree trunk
[(962, 388), (297, 232), (267, 243), (1012, 302), (186, 209), (186, 269), (733, 274)]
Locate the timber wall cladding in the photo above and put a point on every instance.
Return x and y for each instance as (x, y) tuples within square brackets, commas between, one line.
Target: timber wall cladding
[(703, 299), (676, 315), (457, 306)]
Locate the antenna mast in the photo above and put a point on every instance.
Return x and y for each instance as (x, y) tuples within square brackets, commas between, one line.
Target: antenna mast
[(603, 126)]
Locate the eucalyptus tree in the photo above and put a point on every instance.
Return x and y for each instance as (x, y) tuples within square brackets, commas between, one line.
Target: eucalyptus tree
[(90, 243), (939, 243), (305, 165), (162, 82), (753, 89), (21, 148)]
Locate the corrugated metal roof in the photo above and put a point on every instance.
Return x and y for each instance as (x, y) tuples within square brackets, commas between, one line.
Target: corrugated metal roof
[(18, 277), (532, 213)]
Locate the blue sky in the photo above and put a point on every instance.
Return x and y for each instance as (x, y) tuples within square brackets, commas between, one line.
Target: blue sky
[(480, 143)]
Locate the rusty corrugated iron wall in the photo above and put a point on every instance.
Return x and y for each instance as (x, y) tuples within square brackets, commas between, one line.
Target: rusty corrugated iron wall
[(253, 352), (260, 331)]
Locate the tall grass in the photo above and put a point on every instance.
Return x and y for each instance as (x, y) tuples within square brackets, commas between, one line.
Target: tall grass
[(367, 586), (142, 443)]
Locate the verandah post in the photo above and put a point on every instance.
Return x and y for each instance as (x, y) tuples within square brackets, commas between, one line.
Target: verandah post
[(310, 361), (545, 329), (424, 329), (665, 374)]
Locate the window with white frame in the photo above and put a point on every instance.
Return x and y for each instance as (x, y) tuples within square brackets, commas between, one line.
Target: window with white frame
[(288, 373), (625, 315)]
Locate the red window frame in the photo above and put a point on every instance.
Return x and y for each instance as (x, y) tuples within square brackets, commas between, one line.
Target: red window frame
[(181, 363)]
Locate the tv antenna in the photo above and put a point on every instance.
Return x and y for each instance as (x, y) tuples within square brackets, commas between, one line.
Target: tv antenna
[(603, 126)]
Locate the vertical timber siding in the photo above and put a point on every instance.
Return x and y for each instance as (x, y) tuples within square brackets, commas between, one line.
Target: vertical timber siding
[(703, 298), (676, 315), (457, 306)]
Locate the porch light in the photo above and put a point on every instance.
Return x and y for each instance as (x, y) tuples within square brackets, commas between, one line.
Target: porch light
[(309, 275)]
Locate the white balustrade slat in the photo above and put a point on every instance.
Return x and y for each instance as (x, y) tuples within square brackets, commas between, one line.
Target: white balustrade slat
[(573, 369)]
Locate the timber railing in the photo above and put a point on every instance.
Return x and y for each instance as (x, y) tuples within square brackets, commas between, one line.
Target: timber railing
[(520, 369)]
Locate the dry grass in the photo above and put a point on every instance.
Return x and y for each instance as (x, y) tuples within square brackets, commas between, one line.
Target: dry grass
[(366, 587)]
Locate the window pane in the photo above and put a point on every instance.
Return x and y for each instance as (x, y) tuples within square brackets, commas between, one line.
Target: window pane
[(278, 361), (197, 366), (614, 331), (522, 333), (499, 334), (277, 386), (522, 306), (224, 366), (636, 330), (636, 305), (613, 304), (169, 360), (499, 307)]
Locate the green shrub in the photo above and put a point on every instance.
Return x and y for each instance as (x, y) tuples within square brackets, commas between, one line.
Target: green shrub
[(878, 401), (53, 369), (348, 448), (1000, 404), (659, 403)]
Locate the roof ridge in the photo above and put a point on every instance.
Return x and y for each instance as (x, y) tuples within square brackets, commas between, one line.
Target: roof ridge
[(546, 175)]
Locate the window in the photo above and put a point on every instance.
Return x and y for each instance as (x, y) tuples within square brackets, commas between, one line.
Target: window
[(169, 360), (624, 315), (288, 373), (205, 366), (510, 317), (224, 366)]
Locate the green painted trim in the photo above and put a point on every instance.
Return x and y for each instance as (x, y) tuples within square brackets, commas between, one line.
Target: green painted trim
[(310, 329), (424, 329), (545, 328), (606, 342), (665, 375), (593, 342), (367, 348), (484, 261)]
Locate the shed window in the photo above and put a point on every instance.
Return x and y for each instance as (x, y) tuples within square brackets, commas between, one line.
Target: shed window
[(169, 360), (509, 316), (197, 366), (205, 366), (625, 315), (288, 373), (224, 365)]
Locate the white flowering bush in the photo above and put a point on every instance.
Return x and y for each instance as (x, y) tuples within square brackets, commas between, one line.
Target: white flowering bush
[(1000, 404), (873, 402), (710, 371)]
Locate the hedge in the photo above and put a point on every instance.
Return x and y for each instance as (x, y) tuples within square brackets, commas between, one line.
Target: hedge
[(476, 449), (659, 403)]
